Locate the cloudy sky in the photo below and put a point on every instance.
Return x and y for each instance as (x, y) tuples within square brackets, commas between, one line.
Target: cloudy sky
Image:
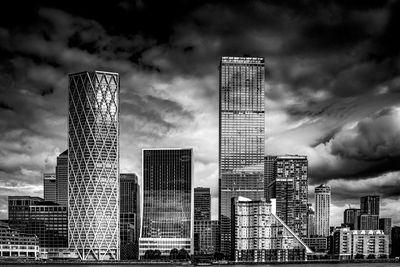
[(332, 85)]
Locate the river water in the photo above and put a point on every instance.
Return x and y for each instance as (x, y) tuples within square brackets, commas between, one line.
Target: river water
[(272, 265)]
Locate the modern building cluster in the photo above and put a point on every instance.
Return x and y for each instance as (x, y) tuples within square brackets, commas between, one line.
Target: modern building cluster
[(92, 212)]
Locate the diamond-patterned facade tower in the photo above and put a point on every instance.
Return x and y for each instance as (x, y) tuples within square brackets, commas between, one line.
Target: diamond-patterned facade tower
[(93, 165)]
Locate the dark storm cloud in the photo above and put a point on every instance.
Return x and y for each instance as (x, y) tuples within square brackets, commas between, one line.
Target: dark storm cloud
[(371, 139)]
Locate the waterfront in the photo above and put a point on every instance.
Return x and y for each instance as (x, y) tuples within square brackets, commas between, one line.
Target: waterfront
[(360, 264)]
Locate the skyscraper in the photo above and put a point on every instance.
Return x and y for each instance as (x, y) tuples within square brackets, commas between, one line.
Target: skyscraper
[(167, 201), (129, 215), (322, 209), (369, 205), (241, 136), (49, 187), (369, 213), (269, 173), (290, 188), (202, 204), (93, 165), (351, 218), (62, 178)]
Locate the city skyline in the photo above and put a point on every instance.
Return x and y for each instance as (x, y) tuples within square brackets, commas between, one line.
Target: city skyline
[(326, 103)]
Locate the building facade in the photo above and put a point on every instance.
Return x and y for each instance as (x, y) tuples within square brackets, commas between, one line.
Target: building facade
[(19, 210), (241, 136), (359, 244), (269, 175), (261, 236), (14, 244), (47, 220), (385, 224), (369, 205), (49, 187), (322, 209), (290, 189), (317, 244), (129, 215), (62, 178), (206, 235), (311, 223), (93, 165), (368, 222), (351, 218), (167, 201), (395, 238), (202, 204)]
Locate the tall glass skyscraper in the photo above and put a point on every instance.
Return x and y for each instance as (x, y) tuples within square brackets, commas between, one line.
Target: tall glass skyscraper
[(322, 209), (167, 201), (93, 165), (241, 136)]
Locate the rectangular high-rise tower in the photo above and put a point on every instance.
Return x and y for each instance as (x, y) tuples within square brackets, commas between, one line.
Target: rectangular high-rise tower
[(322, 209), (202, 204), (289, 185), (93, 165), (351, 218), (241, 136), (62, 178), (167, 201), (369, 205), (49, 187)]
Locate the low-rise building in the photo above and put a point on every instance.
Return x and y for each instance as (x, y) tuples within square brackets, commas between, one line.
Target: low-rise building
[(317, 244), (14, 244), (205, 237), (359, 244), (259, 235), (45, 219)]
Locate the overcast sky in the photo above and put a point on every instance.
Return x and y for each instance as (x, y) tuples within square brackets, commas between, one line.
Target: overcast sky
[(332, 85)]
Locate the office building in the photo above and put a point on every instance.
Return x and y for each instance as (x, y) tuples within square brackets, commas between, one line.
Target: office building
[(385, 224), (129, 215), (356, 244), (62, 178), (269, 174), (395, 238), (16, 245), (241, 136), (351, 218), (318, 244), (261, 236), (310, 222), (322, 209), (202, 204), (369, 205), (368, 222), (47, 220), (93, 165), (167, 201), (206, 237), (290, 189), (49, 187), (19, 210)]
